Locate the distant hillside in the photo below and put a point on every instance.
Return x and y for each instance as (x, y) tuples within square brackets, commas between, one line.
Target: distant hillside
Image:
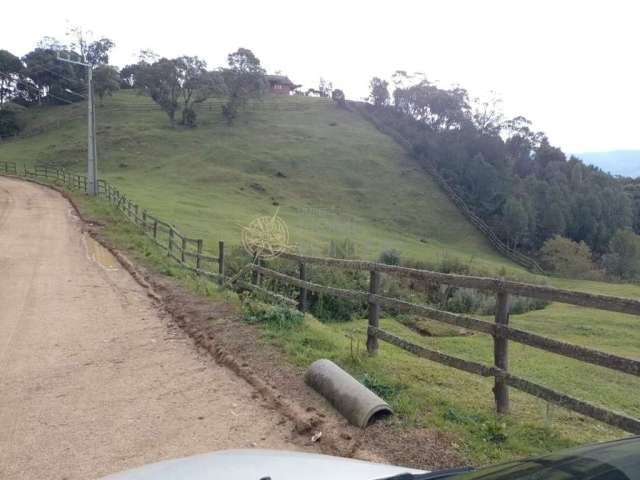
[(330, 172), (615, 162)]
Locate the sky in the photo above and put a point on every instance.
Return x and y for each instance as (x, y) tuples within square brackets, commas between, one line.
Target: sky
[(571, 67)]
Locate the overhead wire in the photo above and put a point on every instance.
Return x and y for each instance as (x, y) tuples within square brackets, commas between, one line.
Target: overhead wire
[(42, 68), (33, 87)]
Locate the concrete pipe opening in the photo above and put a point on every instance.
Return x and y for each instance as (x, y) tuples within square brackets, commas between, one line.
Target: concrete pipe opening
[(353, 400)]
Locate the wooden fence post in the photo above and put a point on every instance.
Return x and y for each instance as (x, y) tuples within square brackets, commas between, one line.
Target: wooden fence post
[(374, 311), (135, 211), (302, 296), (198, 253), (500, 353), (254, 273), (144, 221), (184, 247), (155, 228), (221, 261), (170, 250)]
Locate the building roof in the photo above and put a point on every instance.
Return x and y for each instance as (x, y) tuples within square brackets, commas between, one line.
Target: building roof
[(281, 80)]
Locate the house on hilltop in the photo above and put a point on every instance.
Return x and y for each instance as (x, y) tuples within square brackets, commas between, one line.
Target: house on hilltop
[(280, 84)]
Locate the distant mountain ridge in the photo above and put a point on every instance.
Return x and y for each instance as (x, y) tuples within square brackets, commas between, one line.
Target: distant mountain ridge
[(616, 162)]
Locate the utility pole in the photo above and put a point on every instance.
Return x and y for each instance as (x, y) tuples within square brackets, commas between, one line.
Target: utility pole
[(92, 152)]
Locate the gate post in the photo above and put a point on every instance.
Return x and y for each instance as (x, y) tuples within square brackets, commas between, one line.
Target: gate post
[(221, 261), (302, 296), (170, 250), (500, 353), (374, 311), (198, 253)]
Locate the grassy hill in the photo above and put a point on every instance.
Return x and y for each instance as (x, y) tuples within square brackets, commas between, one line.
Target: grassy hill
[(331, 174)]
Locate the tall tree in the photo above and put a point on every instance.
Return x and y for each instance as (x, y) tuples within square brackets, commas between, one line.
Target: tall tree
[(94, 52), (516, 221), (178, 83), (244, 80), (338, 96), (623, 258), (325, 87), (161, 81), (197, 86), (379, 92), (106, 80), (10, 70), (47, 79)]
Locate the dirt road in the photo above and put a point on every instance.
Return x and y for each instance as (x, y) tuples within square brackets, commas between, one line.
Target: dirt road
[(93, 378)]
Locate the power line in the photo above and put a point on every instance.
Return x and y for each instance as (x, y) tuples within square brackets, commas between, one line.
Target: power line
[(48, 94), (42, 67)]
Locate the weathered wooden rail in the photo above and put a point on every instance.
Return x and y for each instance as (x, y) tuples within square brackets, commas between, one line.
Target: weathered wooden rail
[(189, 253), (500, 330)]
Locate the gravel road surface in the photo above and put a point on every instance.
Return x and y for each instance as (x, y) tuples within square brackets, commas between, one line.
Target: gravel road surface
[(94, 378)]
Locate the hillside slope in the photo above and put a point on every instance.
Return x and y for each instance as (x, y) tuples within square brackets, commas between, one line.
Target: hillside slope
[(331, 174)]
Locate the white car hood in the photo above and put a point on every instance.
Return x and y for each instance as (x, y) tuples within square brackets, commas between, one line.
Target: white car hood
[(258, 464)]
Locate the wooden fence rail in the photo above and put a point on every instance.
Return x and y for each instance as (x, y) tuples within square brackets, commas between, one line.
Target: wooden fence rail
[(190, 254), (500, 331)]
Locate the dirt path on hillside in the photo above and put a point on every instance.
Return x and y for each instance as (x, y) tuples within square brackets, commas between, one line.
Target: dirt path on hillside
[(93, 377)]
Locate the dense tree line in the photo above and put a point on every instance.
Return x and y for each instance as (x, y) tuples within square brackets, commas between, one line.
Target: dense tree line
[(509, 174)]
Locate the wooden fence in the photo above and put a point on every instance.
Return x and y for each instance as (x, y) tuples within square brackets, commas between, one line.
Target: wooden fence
[(189, 253), (499, 329)]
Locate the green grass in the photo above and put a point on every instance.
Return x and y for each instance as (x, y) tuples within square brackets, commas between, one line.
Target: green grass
[(343, 179), (426, 394)]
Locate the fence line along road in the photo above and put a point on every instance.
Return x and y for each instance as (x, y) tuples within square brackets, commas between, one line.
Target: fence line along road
[(189, 253)]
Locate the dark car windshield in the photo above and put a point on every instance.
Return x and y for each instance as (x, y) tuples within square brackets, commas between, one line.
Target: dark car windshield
[(612, 461)]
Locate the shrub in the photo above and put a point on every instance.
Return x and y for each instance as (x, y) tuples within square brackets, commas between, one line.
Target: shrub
[(381, 388), (342, 249), (330, 308), (453, 265), (390, 257), (465, 300), (9, 125), (623, 259), (278, 316), (566, 257), (338, 96), (189, 117)]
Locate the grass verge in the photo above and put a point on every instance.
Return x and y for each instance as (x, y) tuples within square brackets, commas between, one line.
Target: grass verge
[(426, 394)]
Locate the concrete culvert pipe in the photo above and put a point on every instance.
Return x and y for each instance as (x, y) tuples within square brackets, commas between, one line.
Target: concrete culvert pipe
[(357, 403)]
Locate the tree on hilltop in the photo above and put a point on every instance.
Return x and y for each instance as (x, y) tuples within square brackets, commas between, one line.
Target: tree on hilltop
[(244, 80), (10, 70), (379, 92), (106, 80)]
